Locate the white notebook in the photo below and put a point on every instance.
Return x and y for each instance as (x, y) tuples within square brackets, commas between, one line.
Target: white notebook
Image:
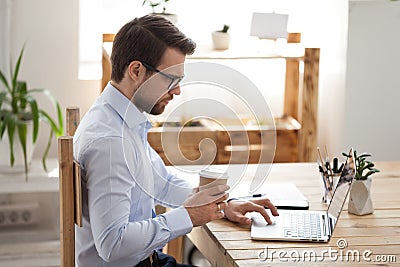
[(282, 195)]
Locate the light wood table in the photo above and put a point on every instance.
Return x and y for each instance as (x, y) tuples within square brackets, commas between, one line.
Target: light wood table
[(376, 236)]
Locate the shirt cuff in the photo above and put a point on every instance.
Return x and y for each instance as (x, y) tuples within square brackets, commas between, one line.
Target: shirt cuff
[(178, 221)]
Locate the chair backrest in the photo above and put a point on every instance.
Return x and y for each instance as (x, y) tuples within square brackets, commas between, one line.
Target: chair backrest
[(70, 190)]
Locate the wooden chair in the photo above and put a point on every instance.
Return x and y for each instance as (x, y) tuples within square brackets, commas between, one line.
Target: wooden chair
[(70, 190)]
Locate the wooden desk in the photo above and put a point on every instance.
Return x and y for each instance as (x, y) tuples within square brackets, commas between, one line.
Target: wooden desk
[(227, 244)]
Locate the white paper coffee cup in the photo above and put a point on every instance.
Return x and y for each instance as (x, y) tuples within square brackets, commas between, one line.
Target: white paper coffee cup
[(212, 176)]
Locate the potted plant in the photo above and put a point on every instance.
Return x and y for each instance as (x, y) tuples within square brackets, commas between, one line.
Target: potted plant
[(360, 202), (19, 119), (160, 8), (221, 38)]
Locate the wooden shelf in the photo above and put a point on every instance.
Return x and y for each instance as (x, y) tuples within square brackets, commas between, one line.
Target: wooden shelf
[(291, 51), (300, 101), (228, 144)]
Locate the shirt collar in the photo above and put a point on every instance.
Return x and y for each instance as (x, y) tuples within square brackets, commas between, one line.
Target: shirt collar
[(129, 113)]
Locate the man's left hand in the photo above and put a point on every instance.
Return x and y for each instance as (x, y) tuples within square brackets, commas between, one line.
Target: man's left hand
[(237, 209)]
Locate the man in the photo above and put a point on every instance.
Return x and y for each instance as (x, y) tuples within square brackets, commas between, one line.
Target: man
[(123, 177)]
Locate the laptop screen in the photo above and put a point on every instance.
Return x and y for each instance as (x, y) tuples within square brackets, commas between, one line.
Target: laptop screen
[(342, 189)]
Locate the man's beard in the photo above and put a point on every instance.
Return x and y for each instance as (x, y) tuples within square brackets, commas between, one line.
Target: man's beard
[(157, 109)]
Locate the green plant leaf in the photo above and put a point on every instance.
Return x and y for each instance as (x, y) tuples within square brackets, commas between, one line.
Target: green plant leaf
[(22, 132), (364, 155), (60, 129), (54, 129), (3, 98), (46, 151), (21, 91), (2, 130), (5, 82), (369, 173), (16, 70), (369, 165), (35, 116), (2, 124), (60, 121), (46, 117), (11, 121)]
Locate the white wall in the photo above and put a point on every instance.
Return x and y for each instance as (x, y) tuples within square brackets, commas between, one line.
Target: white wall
[(371, 121), (50, 30)]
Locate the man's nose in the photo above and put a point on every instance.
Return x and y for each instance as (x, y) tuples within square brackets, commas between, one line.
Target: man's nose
[(175, 91)]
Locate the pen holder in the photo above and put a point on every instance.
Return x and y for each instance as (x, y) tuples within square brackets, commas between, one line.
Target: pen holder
[(330, 174), (329, 182)]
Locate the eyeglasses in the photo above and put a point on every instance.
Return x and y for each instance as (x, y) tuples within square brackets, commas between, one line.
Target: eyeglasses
[(175, 80)]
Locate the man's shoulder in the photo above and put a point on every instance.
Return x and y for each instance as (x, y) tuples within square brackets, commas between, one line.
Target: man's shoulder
[(99, 123), (102, 120)]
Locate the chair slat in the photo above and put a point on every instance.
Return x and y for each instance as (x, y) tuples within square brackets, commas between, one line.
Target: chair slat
[(67, 225), (73, 119), (78, 194)]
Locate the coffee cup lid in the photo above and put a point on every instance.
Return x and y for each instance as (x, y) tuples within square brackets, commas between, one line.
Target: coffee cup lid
[(213, 172)]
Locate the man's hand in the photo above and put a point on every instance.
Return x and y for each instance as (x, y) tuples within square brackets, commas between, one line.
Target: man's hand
[(237, 209), (207, 205)]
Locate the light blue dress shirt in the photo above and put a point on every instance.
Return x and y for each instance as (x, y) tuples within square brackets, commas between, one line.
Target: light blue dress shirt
[(123, 178)]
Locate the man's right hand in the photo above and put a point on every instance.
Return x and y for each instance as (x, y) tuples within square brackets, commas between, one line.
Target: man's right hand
[(207, 205)]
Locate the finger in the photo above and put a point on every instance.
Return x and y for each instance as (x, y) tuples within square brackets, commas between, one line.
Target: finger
[(266, 203), (272, 208), (240, 218), (255, 207), (221, 206), (219, 215), (222, 212)]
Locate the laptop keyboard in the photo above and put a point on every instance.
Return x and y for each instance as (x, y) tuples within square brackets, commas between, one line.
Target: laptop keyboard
[(305, 225)]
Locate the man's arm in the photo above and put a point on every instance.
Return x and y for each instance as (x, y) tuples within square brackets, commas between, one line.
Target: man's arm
[(170, 190), (108, 166)]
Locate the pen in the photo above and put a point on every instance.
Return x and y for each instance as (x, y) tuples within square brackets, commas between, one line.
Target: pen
[(329, 168), (252, 196), (335, 165), (326, 180)]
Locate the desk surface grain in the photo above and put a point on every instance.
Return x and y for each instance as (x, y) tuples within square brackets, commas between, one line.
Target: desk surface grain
[(372, 240)]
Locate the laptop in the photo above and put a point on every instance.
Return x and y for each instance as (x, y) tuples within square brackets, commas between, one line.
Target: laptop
[(306, 225)]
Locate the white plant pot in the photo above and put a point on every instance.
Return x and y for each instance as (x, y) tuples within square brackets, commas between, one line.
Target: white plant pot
[(19, 165), (360, 202), (220, 40)]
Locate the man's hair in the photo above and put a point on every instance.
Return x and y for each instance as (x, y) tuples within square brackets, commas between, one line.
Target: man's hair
[(146, 39)]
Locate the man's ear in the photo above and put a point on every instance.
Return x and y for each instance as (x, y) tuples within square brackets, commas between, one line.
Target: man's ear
[(136, 70)]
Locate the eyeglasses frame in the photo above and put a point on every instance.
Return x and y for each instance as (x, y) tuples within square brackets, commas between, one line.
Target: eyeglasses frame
[(175, 80)]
